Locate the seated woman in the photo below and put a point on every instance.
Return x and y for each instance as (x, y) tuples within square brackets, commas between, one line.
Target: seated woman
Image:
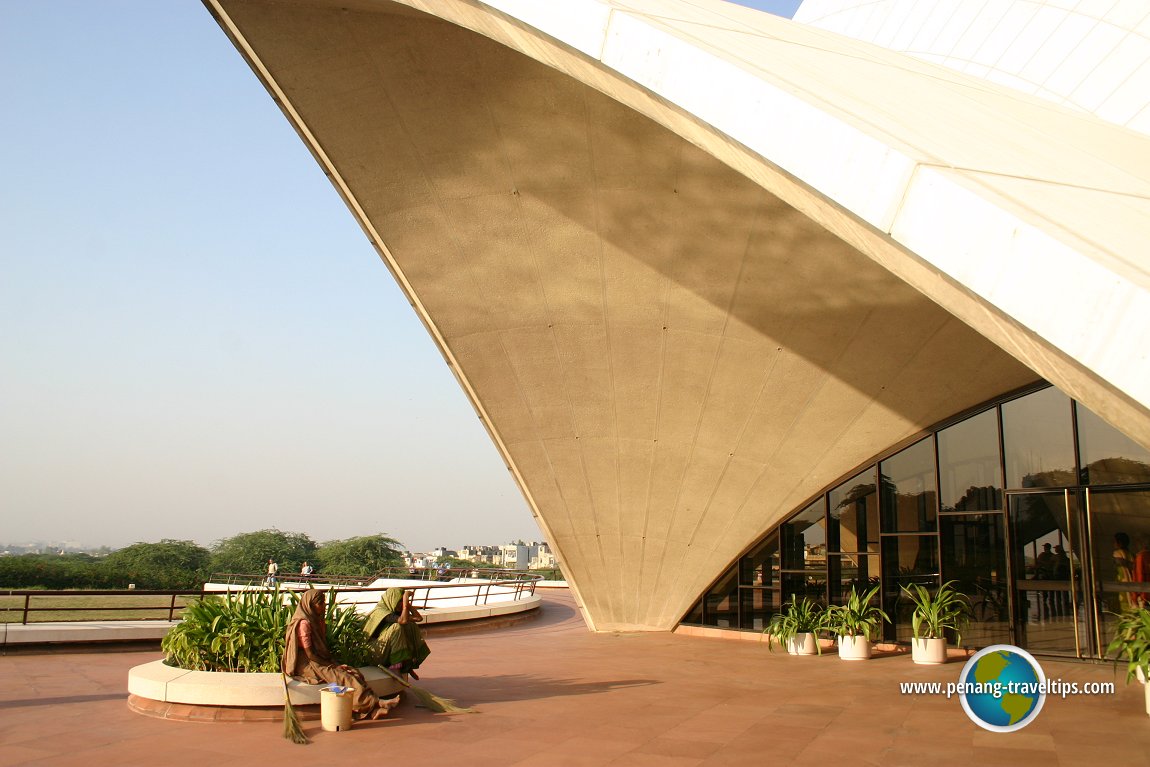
[(308, 659), (393, 624)]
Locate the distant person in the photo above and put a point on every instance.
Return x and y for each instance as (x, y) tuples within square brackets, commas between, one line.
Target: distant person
[(1044, 571), (394, 627), (1044, 564), (1062, 573), (1061, 564), (306, 570), (1142, 569), (273, 571), (307, 657), (1123, 569)]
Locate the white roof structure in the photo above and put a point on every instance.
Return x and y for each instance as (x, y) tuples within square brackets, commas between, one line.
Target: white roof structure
[(691, 262)]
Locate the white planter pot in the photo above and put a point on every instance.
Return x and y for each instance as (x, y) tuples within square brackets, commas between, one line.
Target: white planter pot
[(1145, 687), (928, 651), (803, 644), (854, 648)]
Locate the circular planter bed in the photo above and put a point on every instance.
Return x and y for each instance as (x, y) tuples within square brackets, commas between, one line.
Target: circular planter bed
[(180, 690)]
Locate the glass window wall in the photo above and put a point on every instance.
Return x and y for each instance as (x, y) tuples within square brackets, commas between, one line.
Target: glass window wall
[(1042, 568), (909, 502), (852, 525), (1039, 441), (1107, 456), (970, 465), (974, 557)]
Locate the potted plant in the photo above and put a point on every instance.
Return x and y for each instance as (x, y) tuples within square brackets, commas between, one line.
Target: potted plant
[(854, 622), (934, 614), (797, 627), (1132, 643)]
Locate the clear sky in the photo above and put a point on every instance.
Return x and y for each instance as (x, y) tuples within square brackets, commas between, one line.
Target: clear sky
[(196, 339)]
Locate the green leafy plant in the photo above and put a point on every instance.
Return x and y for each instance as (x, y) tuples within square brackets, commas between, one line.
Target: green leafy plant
[(857, 616), (1132, 642), (799, 616), (937, 612), (345, 635), (245, 632)]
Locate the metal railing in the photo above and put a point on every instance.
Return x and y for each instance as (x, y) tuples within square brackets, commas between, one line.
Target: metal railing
[(391, 573), (459, 587), (90, 599), (469, 587)]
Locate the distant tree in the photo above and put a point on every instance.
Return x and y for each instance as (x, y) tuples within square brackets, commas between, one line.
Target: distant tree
[(459, 563), (169, 564), (52, 571), (249, 552), (364, 555)]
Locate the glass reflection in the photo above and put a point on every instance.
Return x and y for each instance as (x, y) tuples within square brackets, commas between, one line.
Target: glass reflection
[(1120, 527), (695, 617), (853, 519), (1038, 440), (974, 556), (848, 572), (804, 539), (1109, 457), (906, 559), (757, 606), (968, 460), (721, 605), (1047, 594), (908, 494), (761, 565)]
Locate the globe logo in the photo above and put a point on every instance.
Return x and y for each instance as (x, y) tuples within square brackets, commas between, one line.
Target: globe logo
[(1002, 688)]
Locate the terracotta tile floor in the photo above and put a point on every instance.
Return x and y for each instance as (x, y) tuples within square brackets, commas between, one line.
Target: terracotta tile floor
[(552, 694)]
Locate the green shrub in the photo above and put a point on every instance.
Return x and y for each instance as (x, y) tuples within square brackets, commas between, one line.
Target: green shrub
[(245, 632), (1132, 642)]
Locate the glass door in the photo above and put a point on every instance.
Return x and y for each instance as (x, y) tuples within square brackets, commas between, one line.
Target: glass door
[(1119, 532), (1048, 570)]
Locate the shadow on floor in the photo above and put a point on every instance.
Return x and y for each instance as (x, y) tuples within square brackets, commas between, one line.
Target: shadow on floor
[(59, 701), (507, 687)]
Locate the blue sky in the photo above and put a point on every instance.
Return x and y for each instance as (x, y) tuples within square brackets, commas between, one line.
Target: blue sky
[(196, 339)]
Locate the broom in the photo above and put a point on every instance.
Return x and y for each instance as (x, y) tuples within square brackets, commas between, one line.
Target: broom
[(428, 699), (292, 729)]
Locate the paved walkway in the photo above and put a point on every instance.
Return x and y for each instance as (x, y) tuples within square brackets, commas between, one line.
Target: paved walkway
[(552, 694)]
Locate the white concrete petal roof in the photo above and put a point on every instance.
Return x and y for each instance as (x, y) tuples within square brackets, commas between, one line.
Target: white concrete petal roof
[(692, 262)]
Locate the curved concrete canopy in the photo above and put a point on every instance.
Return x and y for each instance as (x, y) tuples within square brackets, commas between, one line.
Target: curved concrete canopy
[(691, 262)]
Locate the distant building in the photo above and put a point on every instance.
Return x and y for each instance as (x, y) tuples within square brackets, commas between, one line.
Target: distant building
[(488, 555), (543, 558)]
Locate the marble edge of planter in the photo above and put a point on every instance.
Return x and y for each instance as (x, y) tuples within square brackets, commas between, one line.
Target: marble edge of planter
[(158, 681)]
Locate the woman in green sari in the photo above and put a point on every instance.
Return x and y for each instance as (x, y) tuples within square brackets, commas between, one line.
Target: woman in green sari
[(394, 625)]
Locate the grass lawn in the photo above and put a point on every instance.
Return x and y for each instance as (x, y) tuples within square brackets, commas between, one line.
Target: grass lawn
[(93, 607)]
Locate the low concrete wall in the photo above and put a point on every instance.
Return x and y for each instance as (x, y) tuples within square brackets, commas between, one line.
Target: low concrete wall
[(140, 631), (83, 631)]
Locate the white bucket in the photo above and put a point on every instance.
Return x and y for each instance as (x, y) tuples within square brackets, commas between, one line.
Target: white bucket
[(335, 710)]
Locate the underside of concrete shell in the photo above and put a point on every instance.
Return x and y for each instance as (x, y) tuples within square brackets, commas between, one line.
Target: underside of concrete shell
[(676, 322)]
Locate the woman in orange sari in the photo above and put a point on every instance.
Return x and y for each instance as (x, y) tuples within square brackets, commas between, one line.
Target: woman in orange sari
[(1124, 571)]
